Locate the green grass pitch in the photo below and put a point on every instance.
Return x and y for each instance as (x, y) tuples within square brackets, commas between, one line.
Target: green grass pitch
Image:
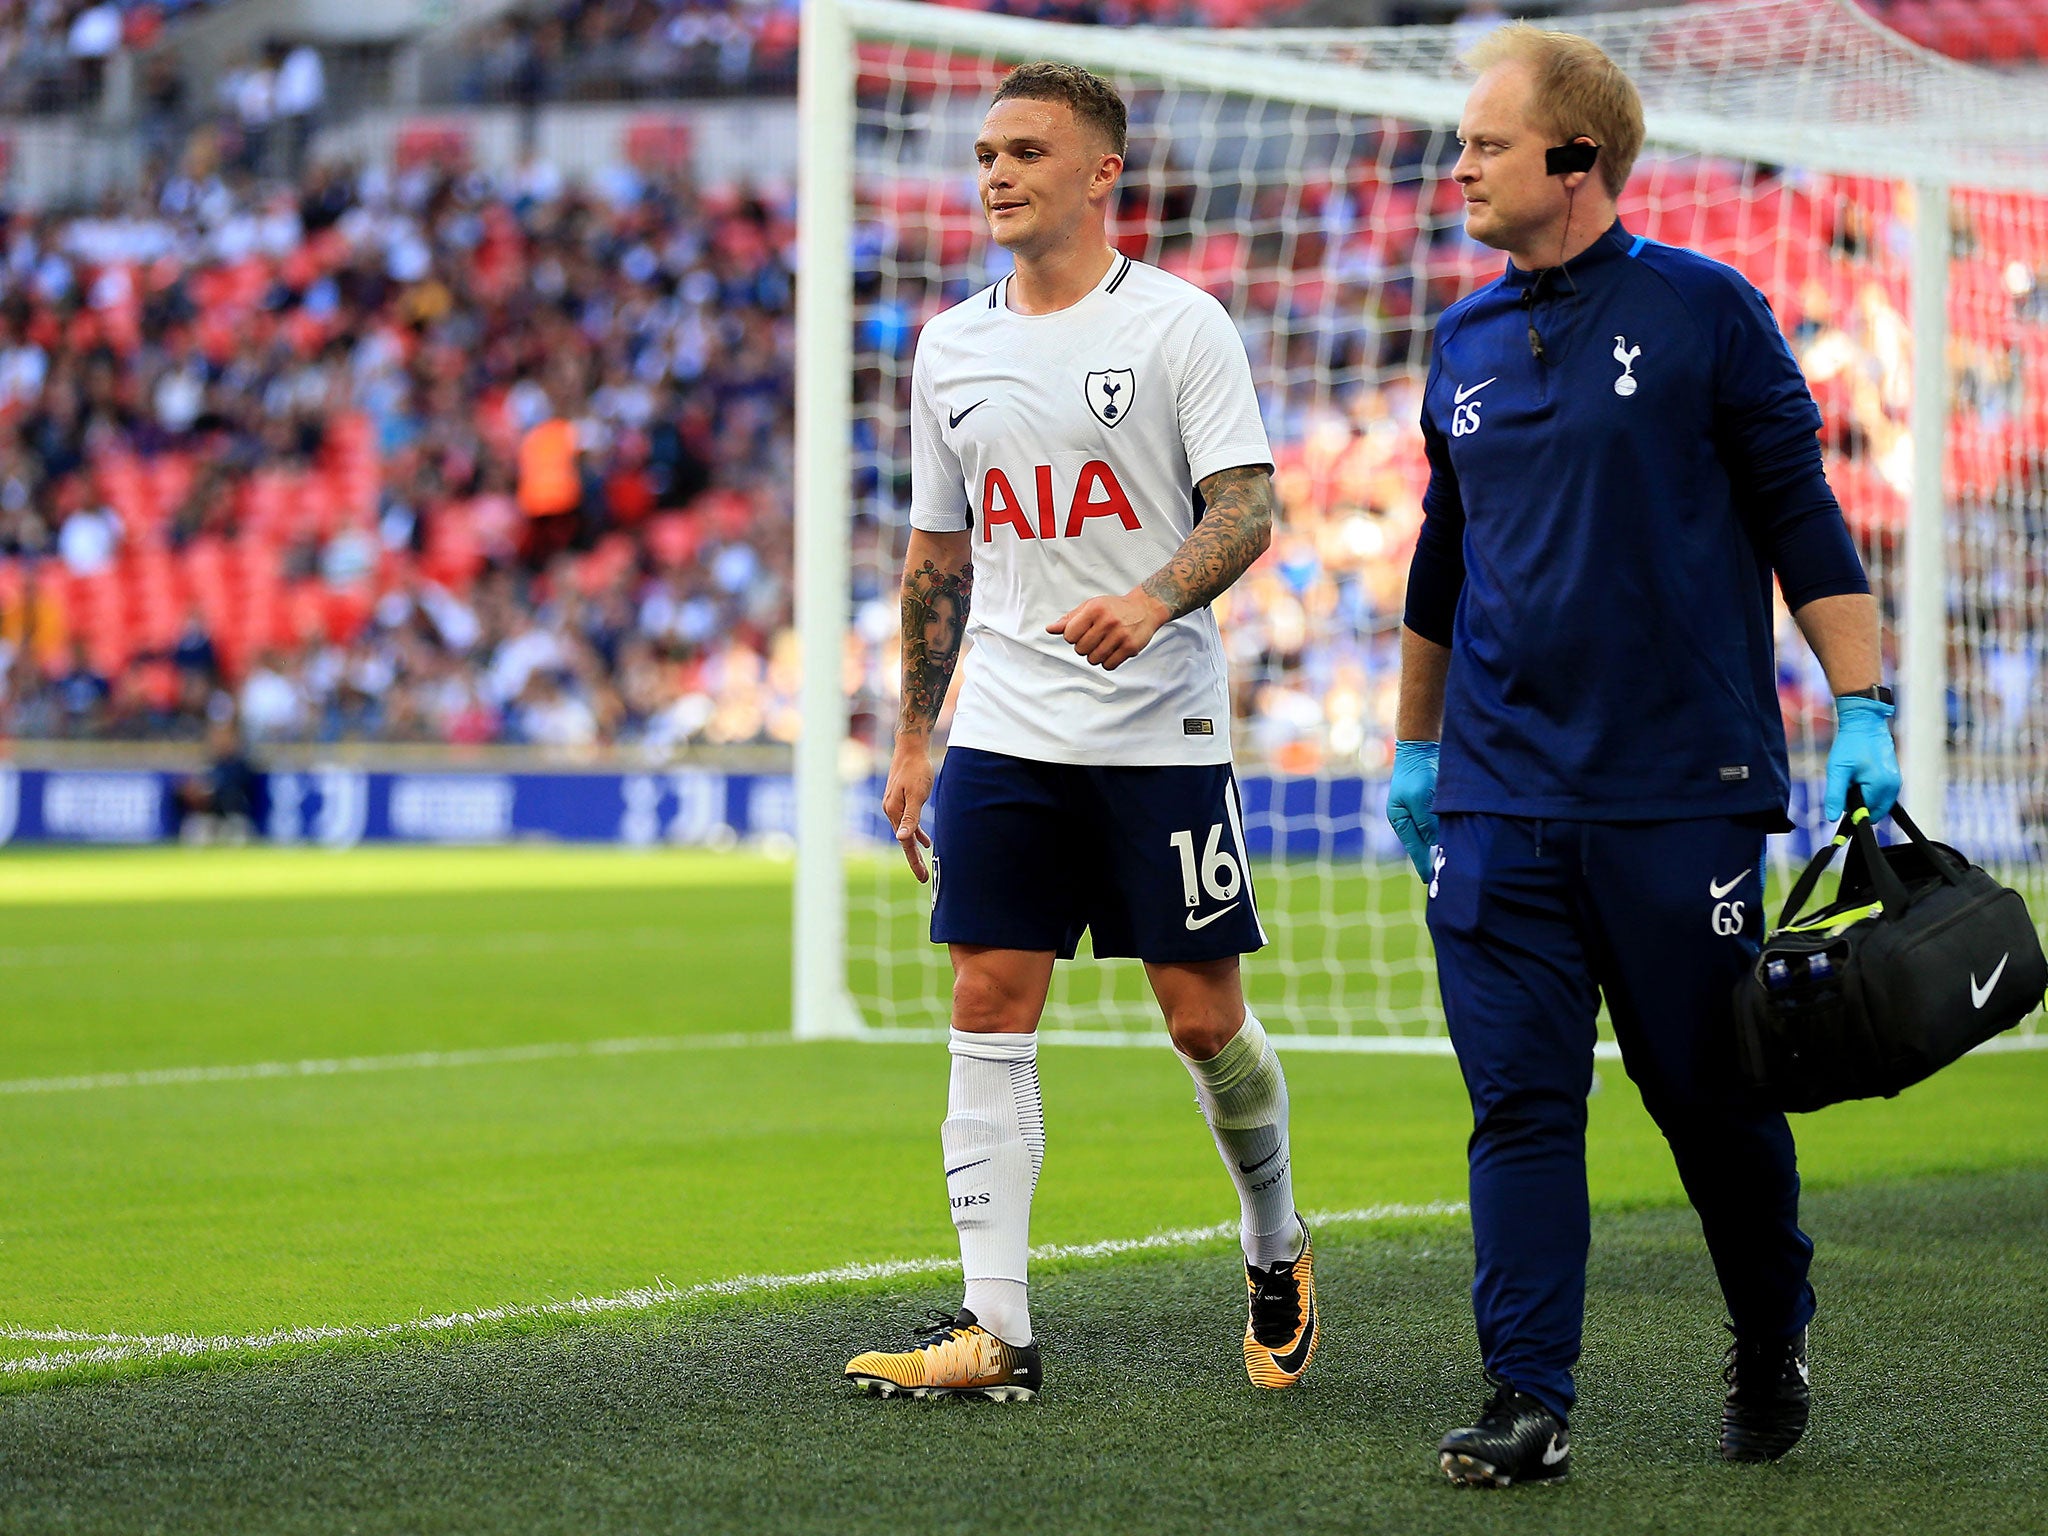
[(171, 1172)]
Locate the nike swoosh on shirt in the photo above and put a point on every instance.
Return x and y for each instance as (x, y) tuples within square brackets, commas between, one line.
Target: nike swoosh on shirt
[(1473, 389), (1717, 890), (1195, 922), (965, 1166), (953, 419), (1979, 996)]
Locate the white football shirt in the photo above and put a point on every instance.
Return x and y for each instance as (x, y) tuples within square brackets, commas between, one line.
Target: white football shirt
[(1071, 444)]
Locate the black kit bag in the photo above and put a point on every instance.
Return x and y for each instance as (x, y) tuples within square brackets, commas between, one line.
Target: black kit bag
[(1921, 957)]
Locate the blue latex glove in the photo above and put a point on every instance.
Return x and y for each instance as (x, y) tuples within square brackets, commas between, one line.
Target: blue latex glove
[(1862, 755), (1411, 800)]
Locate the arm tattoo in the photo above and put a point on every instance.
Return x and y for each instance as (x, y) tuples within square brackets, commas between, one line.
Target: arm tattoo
[(1236, 527), (935, 606)]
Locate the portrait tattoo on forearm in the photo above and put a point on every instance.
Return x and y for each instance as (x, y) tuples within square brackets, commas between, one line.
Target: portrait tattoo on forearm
[(935, 606), (1236, 526)]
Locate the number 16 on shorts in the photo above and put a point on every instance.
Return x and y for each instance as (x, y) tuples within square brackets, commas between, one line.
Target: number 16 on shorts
[(1218, 872)]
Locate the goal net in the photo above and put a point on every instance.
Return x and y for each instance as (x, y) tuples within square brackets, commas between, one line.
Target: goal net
[(1892, 205)]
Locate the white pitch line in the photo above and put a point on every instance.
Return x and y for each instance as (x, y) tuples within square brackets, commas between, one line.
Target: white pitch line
[(417, 1060), (111, 1348), (162, 1077), (367, 946)]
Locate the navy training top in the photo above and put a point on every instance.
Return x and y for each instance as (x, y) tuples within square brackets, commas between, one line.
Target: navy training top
[(1599, 534)]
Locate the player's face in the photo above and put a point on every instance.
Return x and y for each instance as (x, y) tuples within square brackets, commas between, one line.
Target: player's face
[(1044, 175), (1511, 202)]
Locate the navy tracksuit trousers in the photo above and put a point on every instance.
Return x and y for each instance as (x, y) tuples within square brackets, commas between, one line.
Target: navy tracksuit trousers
[(1535, 921)]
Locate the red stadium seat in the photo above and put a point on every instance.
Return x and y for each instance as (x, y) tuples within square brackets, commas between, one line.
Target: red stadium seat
[(345, 613), (659, 141), (263, 512), (318, 505), (442, 142), (2008, 32), (1959, 29), (673, 538), (454, 555), (170, 481), (613, 558), (778, 37), (159, 612), (300, 615), (158, 683), (130, 491), (1213, 262), (1871, 506), (1976, 458), (2034, 13), (100, 615), (351, 442), (1914, 21)]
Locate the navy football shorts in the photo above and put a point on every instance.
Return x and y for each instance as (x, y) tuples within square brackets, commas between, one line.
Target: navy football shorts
[(1150, 861)]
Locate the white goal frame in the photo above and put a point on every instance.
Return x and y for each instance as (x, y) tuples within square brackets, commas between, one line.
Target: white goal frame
[(1952, 135)]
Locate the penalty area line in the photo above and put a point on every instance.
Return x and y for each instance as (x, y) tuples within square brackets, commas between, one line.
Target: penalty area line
[(114, 1348)]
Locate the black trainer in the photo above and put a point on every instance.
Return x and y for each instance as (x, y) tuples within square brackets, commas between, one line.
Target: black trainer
[(1517, 1440), (1769, 1398)]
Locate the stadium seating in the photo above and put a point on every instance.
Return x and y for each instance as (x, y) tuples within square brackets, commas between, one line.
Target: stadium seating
[(349, 486), (290, 556), (39, 70), (1992, 32)]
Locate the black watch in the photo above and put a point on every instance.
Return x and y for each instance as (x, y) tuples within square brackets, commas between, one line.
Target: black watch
[(1881, 694)]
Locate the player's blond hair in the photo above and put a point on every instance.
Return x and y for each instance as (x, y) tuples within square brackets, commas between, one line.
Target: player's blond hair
[(1580, 92)]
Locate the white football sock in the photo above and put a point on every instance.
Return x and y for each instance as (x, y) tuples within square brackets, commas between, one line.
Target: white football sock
[(994, 1138), (1243, 1095)]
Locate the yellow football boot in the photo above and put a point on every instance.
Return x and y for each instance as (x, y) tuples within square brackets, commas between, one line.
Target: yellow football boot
[(953, 1357), (1281, 1330)]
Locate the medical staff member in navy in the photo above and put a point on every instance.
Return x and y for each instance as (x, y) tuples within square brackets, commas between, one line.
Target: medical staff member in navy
[(1622, 453)]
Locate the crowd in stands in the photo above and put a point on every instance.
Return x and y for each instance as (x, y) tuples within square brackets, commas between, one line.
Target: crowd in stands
[(54, 53), (425, 459), (441, 459), (584, 50), (601, 49), (356, 454), (581, 50)]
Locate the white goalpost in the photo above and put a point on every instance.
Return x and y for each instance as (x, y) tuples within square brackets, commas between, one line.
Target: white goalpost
[(1891, 204)]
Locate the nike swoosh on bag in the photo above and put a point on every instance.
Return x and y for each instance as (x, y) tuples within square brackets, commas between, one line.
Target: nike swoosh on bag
[(953, 420), (1203, 922), (1472, 390), (1717, 890), (1979, 996)]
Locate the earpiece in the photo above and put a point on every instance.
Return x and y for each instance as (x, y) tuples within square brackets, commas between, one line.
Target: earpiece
[(1564, 159)]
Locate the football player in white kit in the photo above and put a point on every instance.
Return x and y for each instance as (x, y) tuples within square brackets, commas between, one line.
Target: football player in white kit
[(1089, 466)]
